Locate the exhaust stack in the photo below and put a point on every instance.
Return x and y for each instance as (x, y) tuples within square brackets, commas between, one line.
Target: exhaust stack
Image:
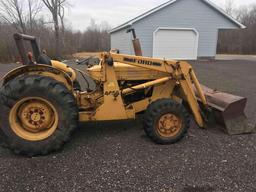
[(135, 42)]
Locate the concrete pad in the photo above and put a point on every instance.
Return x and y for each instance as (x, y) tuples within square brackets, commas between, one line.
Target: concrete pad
[(236, 57)]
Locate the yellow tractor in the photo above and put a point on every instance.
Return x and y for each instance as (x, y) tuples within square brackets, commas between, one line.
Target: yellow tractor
[(41, 103)]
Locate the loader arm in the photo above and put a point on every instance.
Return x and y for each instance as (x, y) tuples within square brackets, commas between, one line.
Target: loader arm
[(181, 72)]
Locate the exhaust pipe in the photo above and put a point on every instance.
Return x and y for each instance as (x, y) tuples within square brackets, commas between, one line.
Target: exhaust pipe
[(135, 42)]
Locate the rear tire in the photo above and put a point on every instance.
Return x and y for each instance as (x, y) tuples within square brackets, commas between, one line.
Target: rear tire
[(166, 121), (38, 115)]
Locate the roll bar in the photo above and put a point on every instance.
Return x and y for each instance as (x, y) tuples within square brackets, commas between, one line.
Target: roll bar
[(19, 40)]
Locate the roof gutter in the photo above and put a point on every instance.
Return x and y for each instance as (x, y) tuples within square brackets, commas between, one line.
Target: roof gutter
[(120, 27)]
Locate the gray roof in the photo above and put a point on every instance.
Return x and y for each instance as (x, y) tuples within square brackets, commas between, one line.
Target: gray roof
[(131, 22)]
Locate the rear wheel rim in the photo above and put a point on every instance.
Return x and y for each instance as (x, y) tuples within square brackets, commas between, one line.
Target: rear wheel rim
[(33, 119), (169, 125)]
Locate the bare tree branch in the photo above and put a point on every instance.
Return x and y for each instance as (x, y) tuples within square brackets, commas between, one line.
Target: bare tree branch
[(34, 8), (13, 12), (57, 9), (230, 7)]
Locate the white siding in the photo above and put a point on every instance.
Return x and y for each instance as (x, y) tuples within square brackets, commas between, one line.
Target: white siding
[(122, 41), (181, 14)]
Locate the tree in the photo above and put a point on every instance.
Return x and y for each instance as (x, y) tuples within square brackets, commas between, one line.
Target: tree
[(61, 14), (34, 8), (12, 11), (20, 14), (56, 7), (241, 41), (230, 7)]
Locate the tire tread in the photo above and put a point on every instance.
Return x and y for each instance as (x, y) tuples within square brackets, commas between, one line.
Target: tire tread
[(154, 109), (10, 93)]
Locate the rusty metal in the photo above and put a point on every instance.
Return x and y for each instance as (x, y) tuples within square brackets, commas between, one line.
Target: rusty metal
[(19, 39), (136, 43), (137, 47), (169, 125), (228, 111)]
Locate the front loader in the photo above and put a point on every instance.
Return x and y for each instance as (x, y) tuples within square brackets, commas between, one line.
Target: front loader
[(42, 102)]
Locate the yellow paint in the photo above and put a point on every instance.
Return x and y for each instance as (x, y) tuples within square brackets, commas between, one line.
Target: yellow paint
[(33, 119), (42, 70), (65, 68), (127, 72), (168, 79), (169, 125)]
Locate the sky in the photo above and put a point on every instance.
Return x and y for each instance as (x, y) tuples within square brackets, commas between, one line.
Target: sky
[(116, 12)]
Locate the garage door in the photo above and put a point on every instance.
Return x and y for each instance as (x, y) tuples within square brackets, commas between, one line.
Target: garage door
[(175, 44)]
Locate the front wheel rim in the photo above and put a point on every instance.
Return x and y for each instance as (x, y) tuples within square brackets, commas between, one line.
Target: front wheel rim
[(169, 125), (33, 119)]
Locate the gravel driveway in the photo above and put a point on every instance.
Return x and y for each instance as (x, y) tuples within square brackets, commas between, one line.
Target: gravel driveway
[(117, 156)]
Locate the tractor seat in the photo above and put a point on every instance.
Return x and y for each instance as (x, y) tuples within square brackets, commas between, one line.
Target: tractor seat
[(44, 59)]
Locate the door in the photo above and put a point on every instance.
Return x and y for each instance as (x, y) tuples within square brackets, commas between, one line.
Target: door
[(179, 44)]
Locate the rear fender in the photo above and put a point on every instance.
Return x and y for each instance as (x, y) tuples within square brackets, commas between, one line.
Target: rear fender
[(43, 70)]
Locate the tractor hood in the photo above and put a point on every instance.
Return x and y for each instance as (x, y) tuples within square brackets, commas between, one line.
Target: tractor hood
[(127, 72)]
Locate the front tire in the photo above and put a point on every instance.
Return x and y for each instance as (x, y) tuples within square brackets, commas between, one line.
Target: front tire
[(166, 121), (38, 115)]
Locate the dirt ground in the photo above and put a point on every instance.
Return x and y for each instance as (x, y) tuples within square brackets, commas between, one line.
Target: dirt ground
[(86, 54), (117, 156)]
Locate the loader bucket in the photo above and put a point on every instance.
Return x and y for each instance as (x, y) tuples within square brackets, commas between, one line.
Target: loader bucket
[(228, 111)]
